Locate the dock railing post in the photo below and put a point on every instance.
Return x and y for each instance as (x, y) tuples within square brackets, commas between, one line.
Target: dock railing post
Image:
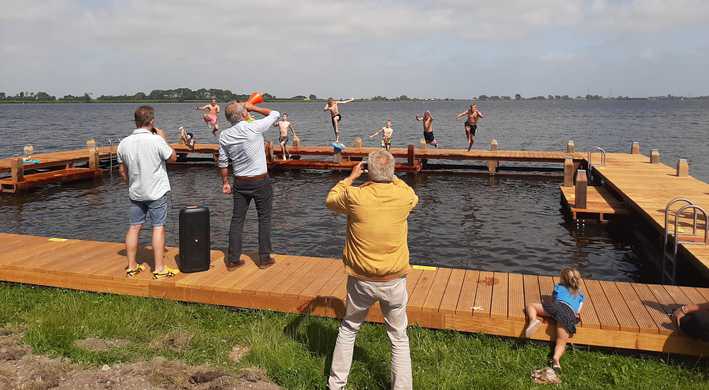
[(569, 169), (492, 164), (411, 155), (17, 170), (635, 148), (682, 167), (581, 189), (357, 143), (654, 156), (93, 158), (570, 147)]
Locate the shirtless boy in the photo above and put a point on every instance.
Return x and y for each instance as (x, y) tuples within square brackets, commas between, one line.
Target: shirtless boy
[(387, 134), (471, 123), (335, 115), (427, 120), (211, 114), (187, 138), (284, 125)]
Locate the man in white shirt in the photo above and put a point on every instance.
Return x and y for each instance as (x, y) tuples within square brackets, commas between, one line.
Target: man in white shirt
[(142, 157), (242, 146)]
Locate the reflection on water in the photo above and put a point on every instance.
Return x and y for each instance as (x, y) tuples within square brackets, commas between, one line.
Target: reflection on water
[(470, 221)]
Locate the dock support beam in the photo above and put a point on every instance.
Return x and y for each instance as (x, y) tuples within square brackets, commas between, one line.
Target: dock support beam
[(93, 158), (570, 146), (17, 170), (492, 164), (581, 189), (635, 148), (654, 156), (569, 169), (411, 156), (682, 167)]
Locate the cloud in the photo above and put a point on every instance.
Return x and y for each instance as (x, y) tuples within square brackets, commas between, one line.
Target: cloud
[(331, 48)]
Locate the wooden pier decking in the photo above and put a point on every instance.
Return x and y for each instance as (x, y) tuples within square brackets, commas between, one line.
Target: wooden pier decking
[(616, 314), (647, 188), (599, 202)]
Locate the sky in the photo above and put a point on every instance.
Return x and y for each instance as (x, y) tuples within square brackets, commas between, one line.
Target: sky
[(445, 48)]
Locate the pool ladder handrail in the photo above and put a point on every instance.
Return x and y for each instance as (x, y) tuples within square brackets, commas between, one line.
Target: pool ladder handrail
[(590, 162), (672, 256)]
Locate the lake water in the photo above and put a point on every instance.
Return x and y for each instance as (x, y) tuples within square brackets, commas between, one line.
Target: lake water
[(509, 223)]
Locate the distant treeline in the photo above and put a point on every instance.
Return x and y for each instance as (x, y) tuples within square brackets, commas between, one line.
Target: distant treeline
[(224, 95)]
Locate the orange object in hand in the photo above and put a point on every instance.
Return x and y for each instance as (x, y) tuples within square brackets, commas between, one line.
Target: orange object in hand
[(255, 98)]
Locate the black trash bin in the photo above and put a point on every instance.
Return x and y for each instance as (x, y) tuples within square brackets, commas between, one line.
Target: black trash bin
[(194, 239)]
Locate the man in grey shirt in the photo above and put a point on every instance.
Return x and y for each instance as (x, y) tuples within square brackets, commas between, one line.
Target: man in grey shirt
[(142, 157), (242, 146)]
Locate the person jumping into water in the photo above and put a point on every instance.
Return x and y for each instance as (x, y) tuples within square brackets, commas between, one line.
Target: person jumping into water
[(335, 115), (471, 123), (284, 125), (211, 114), (427, 120), (387, 134), (187, 138)]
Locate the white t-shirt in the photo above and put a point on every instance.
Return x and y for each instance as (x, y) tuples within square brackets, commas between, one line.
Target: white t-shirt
[(144, 154)]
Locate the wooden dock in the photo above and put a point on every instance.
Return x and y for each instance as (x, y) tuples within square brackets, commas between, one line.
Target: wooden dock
[(648, 187), (616, 314), (599, 202)]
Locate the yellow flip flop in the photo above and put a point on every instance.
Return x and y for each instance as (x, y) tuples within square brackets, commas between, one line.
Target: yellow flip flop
[(166, 273), (132, 272)]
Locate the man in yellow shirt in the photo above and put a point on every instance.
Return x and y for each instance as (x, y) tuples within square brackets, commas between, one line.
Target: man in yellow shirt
[(376, 257)]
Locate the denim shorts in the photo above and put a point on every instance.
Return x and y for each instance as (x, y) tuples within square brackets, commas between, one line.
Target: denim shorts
[(156, 209)]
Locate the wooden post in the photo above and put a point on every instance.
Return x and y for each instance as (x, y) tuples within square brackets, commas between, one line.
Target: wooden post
[(269, 151), (654, 156), (568, 172), (581, 189), (357, 143), (93, 158), (492, 164), (682, 167), (570, 147), (423, 144), (17, 170), (635, 148), (411, 155), (91, 143)]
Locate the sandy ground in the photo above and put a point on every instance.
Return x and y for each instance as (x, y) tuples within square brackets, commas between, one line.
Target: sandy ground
[(21, 369)]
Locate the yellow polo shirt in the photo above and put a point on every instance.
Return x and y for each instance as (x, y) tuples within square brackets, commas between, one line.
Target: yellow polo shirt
[(376, 247)]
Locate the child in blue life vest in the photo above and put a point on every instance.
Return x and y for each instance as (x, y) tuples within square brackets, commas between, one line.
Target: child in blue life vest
[(564, 309)]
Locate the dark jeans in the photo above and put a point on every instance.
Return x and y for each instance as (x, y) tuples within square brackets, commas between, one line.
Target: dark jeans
[(261, 192)]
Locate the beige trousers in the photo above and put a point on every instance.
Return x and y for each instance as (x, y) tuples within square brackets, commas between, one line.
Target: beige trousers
[(392, 297)]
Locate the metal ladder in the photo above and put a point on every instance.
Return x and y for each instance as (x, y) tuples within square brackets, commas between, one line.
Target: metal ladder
[(669, 257), (590, 162)]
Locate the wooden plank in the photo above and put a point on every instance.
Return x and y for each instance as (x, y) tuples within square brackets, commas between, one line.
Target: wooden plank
[(645, 322), (449, 302), (483, 297), (438, 288), (498, 304), (467, 293), (546, 288), (604, 311), (693, 295), (626, 321), (423, 287), (515, 302), (531, 289), (657, 310)]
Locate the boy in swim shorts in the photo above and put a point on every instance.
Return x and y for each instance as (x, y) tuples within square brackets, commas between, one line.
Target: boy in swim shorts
[(427, 120), (387, 134), (471, 123), (284, 125), (335, 115), (211, 114), (187, 138)]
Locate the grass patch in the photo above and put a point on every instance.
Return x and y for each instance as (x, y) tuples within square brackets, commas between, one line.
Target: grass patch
[(295, 351)]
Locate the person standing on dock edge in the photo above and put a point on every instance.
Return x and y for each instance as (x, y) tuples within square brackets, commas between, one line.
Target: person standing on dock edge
[(335, 116), (427, 120), (211, 114), (471, 123), (284, 126), (242, 146), (142, 157), (376, 258), (387, 134)]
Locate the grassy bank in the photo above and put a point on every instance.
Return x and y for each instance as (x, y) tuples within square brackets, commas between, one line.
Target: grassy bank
[(295, 350)]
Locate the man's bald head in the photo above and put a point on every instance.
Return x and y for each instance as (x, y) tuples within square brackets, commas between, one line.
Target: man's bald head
[(235, 112)]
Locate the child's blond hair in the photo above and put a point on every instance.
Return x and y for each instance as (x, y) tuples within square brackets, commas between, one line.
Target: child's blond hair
[(571, 278)]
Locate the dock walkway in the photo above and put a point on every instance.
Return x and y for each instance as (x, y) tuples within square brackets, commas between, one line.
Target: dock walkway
[(647, 188), (616, 314)]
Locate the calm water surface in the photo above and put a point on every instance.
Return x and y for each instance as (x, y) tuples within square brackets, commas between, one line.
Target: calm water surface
[(509, 223)]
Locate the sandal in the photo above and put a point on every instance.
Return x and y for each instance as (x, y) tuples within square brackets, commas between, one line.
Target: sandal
[(165, 273), (132, 272)]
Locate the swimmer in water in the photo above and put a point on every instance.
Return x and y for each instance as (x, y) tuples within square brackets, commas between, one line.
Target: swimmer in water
[(187, 138), (335, 115), (387, 134), (471, 123), (211, 114), (427, 120), (284, 125)]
